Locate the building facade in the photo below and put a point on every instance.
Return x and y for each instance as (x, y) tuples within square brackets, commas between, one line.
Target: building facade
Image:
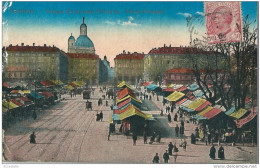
[(83, 67), (183, 76), (129, 67), (110, 70), (103, 71), (83, 62), (34, 63), (159, 60)]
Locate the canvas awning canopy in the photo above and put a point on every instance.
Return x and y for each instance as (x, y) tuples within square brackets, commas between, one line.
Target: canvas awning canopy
[(180, 102), (212, 113), (4, 84), (186, 103), (73, 84), (69, 87), (199, 117), (57, 82), (230, 111), (124, 84), (134, 111), (124, 92), (127, 102), (14, 91), (181, 89), (238, 114), (79, 83), (47, 83), (198, 93), (115, 117), (37, 83), (170, 86), (46, 94), (169, 90), (4, 110), (205, 111), (187, 109), (146, 83), (127, 97), (203, 106), (193, 87), (9, 105), (25, 99), (247, 119), (36, 95), (190, 95), (196, 103), (175, 96), (152, 87), (16, 102)]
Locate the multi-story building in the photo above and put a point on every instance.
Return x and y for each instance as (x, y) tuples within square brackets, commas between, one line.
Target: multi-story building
[(83, 62), (110, 70), (34, 63), (83, 67), (103, 72), (182, 76), (159, 60), (129, 67)]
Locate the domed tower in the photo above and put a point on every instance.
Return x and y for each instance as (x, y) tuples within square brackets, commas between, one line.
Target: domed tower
[(83, 28), (71, 43)]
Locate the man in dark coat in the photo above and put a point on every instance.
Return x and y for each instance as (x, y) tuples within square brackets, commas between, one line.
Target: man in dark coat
[(212, 152), (170, 147), (32, 138), (156, 158), (166, 157), (145, 137), (98, 117), (169, 118), (181, 131), (101, 116), (175, 117), (134, 138), (221, 155), (192, 139), (171, 109), (34, 115), (177, 131)]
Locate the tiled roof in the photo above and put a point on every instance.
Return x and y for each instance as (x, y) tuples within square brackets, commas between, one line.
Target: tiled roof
[(83, 55), (177, 50), (180, 70), (137, 56), (17, 68), (32, 49)]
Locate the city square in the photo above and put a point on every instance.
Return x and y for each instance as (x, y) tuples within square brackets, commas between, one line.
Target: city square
[(130, 83)]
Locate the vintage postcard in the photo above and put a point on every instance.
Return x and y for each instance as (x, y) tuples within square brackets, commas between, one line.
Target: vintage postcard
[(130, 83)]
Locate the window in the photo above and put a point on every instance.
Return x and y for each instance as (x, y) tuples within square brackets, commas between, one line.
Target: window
[(21, 74), (168, 61), (172, 62)]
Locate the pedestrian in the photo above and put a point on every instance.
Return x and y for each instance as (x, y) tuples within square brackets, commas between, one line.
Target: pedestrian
[(150, 97), (161, 113), (212, 152), (158, 137), (97, 117), (152, 138), (156, 158), (175, 117), (108, 136), (145, 137), (106, 103), (175, 154), (32, 138), (171, 109), (177, 131), (197, 132), (166, 157), (184, 145), (221, 155), (101, 116), (166, 109), (134, 138), (193, 139), (182, 123), (169, 118), (158, 98), (170, 147), (181, 131), (209, 138)]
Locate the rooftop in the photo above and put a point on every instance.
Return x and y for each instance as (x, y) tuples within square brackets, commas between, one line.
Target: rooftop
[(83, 55), (180, 70), (177, 50), (129, 55), (27, 48)]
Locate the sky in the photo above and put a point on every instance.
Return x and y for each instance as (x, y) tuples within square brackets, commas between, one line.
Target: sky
[(112, 26)]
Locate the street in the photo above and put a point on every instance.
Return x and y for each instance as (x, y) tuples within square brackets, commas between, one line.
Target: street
[(67, 132)]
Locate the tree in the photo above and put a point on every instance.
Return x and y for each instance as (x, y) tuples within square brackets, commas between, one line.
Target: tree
[(231, 68)]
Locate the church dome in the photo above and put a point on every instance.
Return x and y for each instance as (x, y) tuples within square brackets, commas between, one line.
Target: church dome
[(84, 41), (71, 38)]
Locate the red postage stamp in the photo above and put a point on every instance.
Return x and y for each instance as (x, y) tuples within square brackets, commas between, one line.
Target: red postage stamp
[(223, 22)]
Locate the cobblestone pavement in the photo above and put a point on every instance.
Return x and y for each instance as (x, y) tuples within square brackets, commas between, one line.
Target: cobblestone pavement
[(67, 132)]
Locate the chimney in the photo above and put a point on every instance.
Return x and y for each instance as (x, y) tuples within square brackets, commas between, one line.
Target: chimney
[(22, 44), (53, 46), (164, 45), (128, 52), (170, 45), (10, 45), (33, 44), (123, 51), (142, 52), (44, 45)]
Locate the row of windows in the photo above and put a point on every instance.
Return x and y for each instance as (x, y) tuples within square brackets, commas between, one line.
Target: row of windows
[(168, 62)]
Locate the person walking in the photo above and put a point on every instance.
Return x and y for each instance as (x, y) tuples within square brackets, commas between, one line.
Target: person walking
[(156, 158), (97, 117), (169, 118), (145, 137), (181, 131), (171, 109), (170, 148), (161, 113), (193, 139), (221, 154), (175, 154), (134, 138), (177, 131), (32, 138), (166, 157), (184, 145), (101, 116), (212, 152), (175, 117), (34, 115)]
